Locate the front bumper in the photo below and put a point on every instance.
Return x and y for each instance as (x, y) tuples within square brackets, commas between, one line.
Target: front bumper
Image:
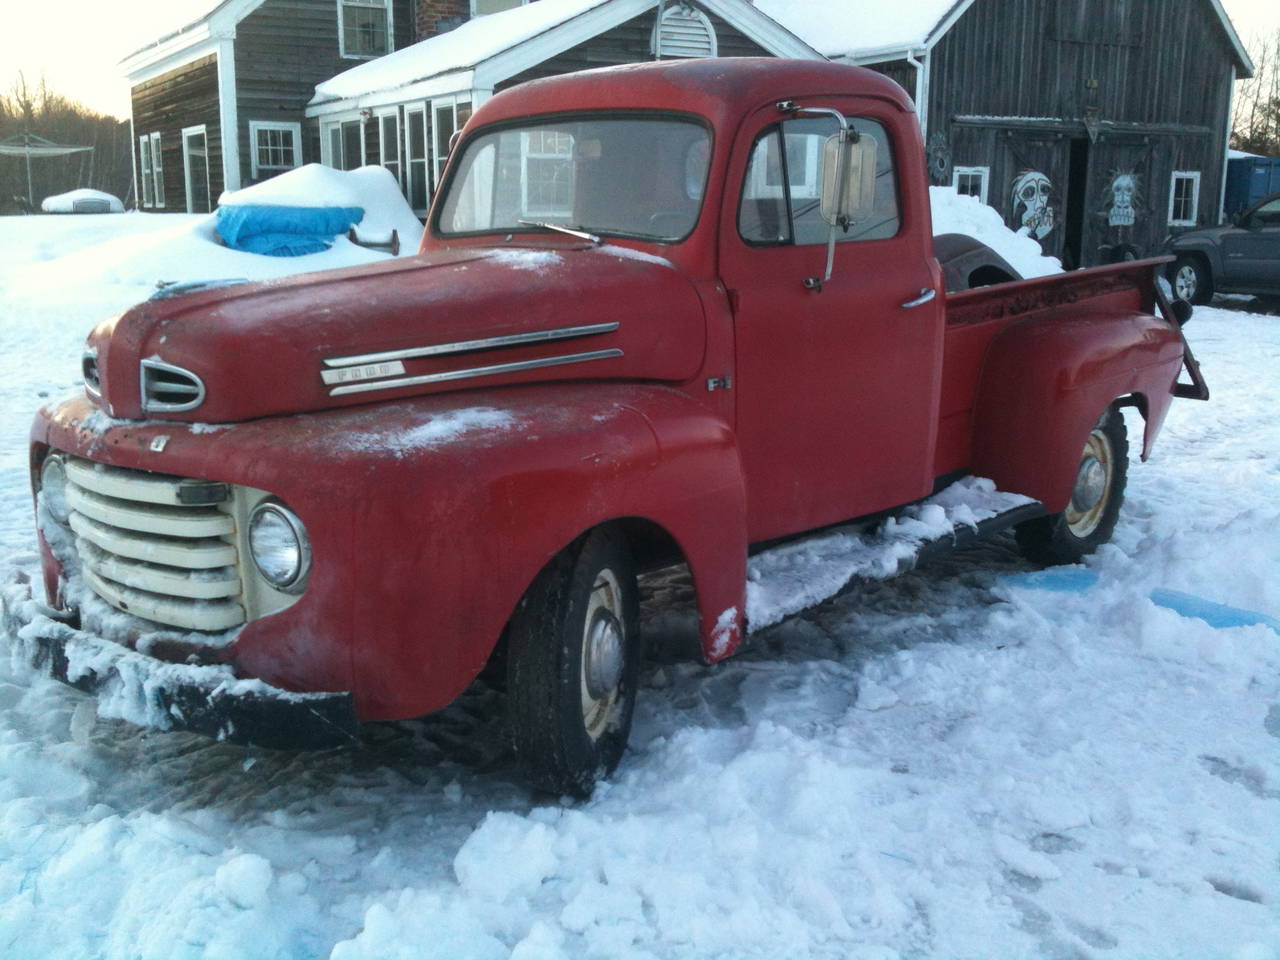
[(147, 691)]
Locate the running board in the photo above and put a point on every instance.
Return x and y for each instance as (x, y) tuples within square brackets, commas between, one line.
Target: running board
[(787, 579)]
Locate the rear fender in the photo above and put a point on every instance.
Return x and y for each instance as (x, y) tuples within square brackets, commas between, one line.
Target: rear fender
[(1047, 379)]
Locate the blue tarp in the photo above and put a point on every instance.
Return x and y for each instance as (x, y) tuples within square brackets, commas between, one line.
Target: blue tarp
[(284, 231)]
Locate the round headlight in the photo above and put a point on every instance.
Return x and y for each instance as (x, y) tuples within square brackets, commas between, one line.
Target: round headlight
[(279, 545), (53, 488)]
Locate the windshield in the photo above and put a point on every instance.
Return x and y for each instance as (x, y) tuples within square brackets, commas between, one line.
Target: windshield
[(619, 176)]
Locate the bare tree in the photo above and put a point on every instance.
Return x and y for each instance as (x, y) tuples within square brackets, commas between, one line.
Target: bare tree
[(1256, 126)]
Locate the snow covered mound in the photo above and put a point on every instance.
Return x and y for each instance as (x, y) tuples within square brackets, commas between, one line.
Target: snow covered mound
[(82, 201), (191, 249), (373, 189), (953, 213)]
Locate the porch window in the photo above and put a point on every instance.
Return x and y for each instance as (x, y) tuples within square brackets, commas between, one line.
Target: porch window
[(364, 28), (417, 134), (157, 169), (971, 181), (276, 147), (1184, 198), (389, 142)]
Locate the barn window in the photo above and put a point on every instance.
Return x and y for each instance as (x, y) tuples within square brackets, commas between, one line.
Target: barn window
[(276, 147), (480, 8), (971, 181), (1184, 198), (364, 28), (157, 169), (144, 170), (683, 31)]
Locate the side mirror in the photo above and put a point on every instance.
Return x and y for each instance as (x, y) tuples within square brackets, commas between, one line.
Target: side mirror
[(848, 178)]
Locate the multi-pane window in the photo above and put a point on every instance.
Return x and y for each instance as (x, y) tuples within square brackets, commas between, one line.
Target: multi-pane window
[(389, 142), (275, 147), (417, 136), (548, 180), (1184, 198), (364, 28), (790, 153), (157, 169), (971, 181)]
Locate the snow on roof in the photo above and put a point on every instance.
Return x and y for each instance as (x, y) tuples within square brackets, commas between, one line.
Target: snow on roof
[(164, 20), (470, 44), (850, 26)]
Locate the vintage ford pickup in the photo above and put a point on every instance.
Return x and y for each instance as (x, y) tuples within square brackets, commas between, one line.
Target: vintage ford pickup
[(675, 312)]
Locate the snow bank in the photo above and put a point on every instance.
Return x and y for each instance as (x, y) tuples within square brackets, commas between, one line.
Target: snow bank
[(82, 201), (190, 249), (953, 213)]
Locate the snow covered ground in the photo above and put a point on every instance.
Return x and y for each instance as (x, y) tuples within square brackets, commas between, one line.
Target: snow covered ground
[(948, 764)]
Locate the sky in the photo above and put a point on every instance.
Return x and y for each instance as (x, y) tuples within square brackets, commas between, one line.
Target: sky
[(76, 45)]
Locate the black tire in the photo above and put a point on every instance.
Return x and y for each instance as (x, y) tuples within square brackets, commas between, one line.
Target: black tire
[(1189, 275), (1090, 518), (568, 733)]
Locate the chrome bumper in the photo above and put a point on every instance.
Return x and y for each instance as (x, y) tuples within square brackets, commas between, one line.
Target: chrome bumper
[(154, 693)]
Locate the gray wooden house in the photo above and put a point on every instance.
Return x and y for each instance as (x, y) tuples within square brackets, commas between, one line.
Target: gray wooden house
[(1096, 126), (400, 111), (218, 99)]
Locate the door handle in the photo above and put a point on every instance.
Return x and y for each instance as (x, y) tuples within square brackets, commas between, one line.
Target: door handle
[(926, 294)]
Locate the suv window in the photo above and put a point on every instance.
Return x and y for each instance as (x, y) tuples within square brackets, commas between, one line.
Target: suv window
[(781, 192)]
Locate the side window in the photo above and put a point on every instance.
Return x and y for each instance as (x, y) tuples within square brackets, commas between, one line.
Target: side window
[(781, 191)]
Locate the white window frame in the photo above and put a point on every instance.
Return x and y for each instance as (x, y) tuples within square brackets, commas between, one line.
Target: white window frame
[(418, 112), (527, 154), (390, 152), (805, 188), (391, 28), (474, 14), (257, 125), (145, 178), (439, 144), (336, 122), (982, 173), (1194, 177), (157, 169), (186, 164)]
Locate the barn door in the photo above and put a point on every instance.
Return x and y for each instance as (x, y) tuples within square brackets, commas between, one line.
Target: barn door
[(1034, 195)]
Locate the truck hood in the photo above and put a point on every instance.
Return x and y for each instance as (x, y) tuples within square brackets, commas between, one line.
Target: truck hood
[(448, 320)]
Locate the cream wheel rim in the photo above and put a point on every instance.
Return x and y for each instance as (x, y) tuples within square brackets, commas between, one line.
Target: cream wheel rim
[(603, 654), (1092, 491), (1184, 282)]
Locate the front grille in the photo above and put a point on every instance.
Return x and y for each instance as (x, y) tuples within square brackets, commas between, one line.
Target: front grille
[(169, 389), (146, 549)]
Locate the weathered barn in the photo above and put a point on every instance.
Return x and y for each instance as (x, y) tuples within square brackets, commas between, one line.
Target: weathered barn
[(218, 100), (1095, 126)]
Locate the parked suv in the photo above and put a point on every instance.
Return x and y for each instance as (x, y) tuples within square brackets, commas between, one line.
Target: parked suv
[(1241, 258)]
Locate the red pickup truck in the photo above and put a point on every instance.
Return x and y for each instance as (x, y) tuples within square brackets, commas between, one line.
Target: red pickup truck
[(661, 313)]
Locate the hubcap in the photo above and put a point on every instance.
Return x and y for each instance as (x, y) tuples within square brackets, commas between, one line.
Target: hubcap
[(603, 654), (1184, 282), (1092, 492)]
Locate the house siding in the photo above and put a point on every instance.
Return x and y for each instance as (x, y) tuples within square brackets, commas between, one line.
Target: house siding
[(283, 49), (630, 43), (1013, 82), (183, 97)]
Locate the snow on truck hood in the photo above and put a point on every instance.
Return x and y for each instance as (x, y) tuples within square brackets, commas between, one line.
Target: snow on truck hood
[(449, 320)]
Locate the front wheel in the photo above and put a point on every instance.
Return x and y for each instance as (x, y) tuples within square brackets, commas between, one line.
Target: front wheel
[(573, 665), (1090, 517), (1190, 279)]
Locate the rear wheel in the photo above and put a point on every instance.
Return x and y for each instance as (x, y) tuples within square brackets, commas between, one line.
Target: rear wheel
[(1090, 517), (573, 664), (1190, 278)]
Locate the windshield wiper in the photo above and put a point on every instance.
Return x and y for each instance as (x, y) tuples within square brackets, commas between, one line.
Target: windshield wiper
[(571, 231)]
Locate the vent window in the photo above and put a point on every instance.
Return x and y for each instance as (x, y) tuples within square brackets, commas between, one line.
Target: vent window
[(683, 31)]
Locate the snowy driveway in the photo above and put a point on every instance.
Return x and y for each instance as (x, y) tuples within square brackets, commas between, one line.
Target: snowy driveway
[(944, 765)]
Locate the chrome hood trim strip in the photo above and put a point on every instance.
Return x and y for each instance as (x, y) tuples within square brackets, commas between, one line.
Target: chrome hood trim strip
[(490, 371), (465, 346)]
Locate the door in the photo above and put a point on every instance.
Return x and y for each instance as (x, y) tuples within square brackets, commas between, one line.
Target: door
[(836, 390), (1251, 251), (195, 162)]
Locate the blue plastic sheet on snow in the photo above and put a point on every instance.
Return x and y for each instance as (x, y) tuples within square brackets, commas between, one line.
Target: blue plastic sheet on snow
[(284, 231)]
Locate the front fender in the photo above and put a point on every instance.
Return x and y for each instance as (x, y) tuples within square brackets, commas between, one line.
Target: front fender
[(1046, 380), (1211, 252)]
